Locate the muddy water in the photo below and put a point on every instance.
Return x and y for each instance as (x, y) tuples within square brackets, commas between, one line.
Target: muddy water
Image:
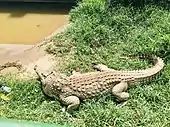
[(28, 23)]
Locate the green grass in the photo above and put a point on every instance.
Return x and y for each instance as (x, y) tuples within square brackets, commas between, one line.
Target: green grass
[(101, 34)]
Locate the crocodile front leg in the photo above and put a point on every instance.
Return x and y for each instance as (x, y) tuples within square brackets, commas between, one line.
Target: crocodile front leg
[(74, 73), (119, 91), (101, 67), (72, 102)]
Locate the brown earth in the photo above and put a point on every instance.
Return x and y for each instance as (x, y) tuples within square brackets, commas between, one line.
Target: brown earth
[(29, 56)]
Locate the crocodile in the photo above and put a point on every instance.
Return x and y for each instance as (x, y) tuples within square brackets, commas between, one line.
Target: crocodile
[(70, 90)]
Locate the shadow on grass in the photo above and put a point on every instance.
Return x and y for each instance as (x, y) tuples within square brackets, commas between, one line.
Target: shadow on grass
[(140, 3)]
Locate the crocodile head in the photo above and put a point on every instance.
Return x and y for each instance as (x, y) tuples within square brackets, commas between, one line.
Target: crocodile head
[(51, 85)]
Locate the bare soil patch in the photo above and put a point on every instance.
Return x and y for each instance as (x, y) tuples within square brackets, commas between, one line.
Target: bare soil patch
[(29, 56)]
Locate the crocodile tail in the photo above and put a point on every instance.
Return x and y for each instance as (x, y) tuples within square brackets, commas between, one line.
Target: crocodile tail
[(148, 73)]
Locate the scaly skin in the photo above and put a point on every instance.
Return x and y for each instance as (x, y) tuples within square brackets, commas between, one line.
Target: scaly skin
[(70, 90)]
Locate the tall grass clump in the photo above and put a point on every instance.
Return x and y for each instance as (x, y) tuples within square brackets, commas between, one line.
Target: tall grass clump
[(101, 33)]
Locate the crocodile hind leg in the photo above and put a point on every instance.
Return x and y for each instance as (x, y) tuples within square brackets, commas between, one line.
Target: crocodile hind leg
[(119, 91), (101, 67), (72, 102)]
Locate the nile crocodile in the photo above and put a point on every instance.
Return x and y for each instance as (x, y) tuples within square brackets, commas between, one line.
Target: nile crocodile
[(69, 90)]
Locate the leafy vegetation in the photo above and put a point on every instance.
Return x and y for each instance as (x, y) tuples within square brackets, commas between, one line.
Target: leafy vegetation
[(101, 33)]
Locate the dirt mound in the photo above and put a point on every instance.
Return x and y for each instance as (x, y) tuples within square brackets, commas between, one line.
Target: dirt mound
[(28, 59)]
